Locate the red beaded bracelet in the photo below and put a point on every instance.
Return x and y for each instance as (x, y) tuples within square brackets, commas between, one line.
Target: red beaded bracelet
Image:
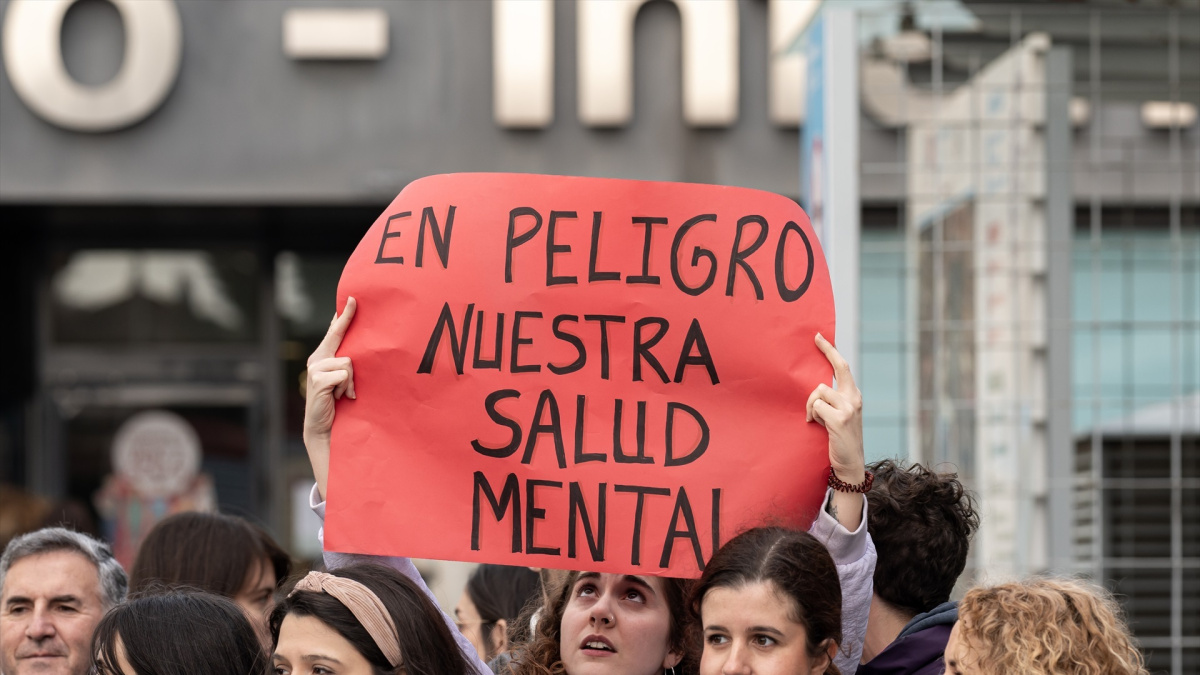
[(842, 486)]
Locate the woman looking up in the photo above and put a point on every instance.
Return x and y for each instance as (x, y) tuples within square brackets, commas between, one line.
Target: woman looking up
[(610, 624)]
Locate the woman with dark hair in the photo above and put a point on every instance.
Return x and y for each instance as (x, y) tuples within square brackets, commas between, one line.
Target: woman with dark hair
[(212, 552), (623, 624), (362, 619), (177, 633), (611, 623), (769, 602), (493, 599)]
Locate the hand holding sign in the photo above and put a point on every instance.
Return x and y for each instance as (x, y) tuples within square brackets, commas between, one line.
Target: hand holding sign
[(574, 372), (329, 378), (840, 412)]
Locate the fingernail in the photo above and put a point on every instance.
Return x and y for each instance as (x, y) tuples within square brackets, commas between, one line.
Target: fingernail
[(820, 337)]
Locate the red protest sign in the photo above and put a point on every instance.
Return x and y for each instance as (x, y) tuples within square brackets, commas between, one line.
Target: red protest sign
[(580, 373)]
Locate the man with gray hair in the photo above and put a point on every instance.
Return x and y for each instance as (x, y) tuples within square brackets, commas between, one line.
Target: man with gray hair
[(55, 585)]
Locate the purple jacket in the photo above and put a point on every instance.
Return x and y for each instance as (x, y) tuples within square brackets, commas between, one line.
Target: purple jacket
[(919, 647)]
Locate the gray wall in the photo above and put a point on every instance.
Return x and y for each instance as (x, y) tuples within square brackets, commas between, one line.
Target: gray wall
[(246, 124)]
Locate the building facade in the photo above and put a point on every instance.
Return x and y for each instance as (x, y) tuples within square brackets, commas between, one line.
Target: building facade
[(184, 180)]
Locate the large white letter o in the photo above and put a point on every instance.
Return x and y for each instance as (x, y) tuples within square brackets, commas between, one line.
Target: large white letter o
[(33, 59)]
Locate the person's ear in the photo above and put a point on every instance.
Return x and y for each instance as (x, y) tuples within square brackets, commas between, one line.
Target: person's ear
[(500, 636), (674, 656), (820, 662)]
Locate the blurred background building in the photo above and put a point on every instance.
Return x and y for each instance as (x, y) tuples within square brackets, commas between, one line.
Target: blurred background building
[(182, 180)]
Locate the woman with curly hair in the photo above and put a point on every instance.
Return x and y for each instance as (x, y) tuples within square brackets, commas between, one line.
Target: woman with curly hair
[(1041, 626)]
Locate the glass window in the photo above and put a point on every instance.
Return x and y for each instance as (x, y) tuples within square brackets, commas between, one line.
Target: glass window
[(1190, 499), (1146, 595), (227, 473), (305, 298), (1137, 523), (125, 296), (881, 375), (1136, 343), (1155, 361), (1191, 594), (1127, 458), (306, 292)]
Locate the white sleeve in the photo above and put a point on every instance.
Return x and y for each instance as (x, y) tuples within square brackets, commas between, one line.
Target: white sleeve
[(854, 555)]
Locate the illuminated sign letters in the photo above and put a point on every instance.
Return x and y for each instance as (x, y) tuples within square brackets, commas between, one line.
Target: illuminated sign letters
[(523, 62), (33, 59)]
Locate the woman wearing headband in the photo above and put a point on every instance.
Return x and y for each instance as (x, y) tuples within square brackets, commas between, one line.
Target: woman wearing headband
[(361, 620)]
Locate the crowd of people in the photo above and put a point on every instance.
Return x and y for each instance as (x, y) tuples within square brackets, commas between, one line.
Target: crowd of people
[(865, 589)]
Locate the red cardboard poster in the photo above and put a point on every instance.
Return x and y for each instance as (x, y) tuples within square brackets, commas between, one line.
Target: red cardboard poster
[(579, 373)]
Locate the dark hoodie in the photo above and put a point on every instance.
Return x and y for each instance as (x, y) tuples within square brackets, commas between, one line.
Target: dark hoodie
[(919, 647)]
